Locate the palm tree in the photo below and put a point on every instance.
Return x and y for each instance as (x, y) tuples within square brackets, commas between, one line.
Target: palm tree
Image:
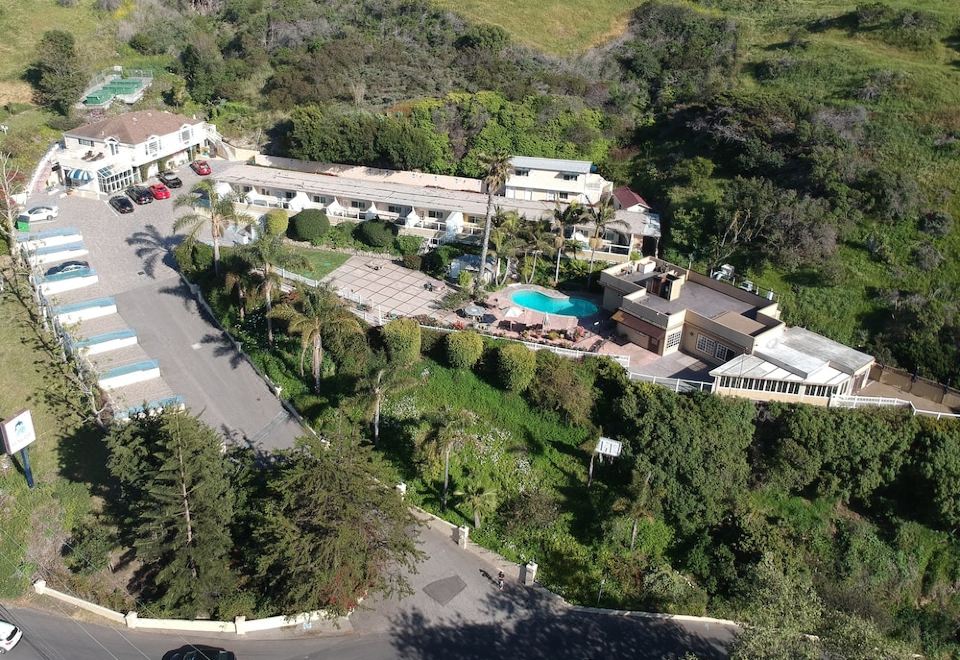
[(538, 238), (480, 500), (451, 433), (267, 253), (382, 377), (563, 218), (636, 505), (601, 215), (240, 278), (315, 311), (497, 166), (209, 208), (505, 239)]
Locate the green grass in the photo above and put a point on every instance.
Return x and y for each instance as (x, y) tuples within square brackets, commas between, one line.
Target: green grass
[(68, 457), (320, 263)]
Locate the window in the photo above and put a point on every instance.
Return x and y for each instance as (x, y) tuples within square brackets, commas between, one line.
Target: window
[(391, 208), (673, 339), (723, 353), (247, 189), (153, 146), (358, 204), (521, 172), (706, 345), (289, 194), (551, 196), (435, 215), (85, 143), (569, 177), (320, 199), (185, 134), (564, 195)]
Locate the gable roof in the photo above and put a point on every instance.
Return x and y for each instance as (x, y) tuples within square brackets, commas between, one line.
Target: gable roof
[(628, 198), (133, 127), (552, 164)]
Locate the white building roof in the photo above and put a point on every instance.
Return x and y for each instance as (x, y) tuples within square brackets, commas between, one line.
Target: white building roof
[(402, 194), (552, 164)]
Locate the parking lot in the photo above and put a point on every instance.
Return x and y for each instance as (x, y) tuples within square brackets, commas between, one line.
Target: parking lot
[(131, 254)]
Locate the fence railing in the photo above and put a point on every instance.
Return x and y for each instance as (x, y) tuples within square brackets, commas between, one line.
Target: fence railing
[(852, 401), (675, 384)]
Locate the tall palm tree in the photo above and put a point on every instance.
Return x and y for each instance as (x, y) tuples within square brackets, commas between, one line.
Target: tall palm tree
[(563, 218), (241, 279), (505, 238), (480, 500), (537, 238), (209, 208), (452, 432), (497, 167), (636, 505), (268, 253), (315, 311), (382, 377), (602, 215)]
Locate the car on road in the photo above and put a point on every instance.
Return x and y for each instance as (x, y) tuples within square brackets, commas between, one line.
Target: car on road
[(170, 179), (201, 167), (159, 191), (39, 214), (200, 652), (139, 194), (121, 204), (9, 636), (68, 267)]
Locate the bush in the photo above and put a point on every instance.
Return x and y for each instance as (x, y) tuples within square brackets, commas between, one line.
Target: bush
[(277, 222), (409, 245), (465, 280), (193, 258), (412, 261), (147, 43), (310, 225), (937, 223), (516, 365), (559, 387), (437, 262), (376, 233), (90, 548), (464, 349), (431, 341), (402, 339)]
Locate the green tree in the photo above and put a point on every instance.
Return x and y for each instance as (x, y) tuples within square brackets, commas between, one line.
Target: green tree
[(453, 430), (209, 209), (565, 217), (310, 225), (402, 339), (516, 365), (316, 311), (180, 506), (602, 216), (381, 378), (940, 465), (330, 534), (480, 499), (58, 75), (277, 222), (559, 387), (269, 253), (497, 168), (464, 349), (240, 278)]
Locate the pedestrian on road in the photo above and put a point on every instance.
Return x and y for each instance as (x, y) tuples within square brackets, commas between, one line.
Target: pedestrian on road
[(500, 580)]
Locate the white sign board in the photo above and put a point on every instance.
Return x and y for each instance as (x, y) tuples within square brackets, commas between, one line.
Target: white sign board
[(609, 447), (18, 432)]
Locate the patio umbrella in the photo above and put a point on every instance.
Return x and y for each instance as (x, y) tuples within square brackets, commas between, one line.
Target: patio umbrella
[(513, 313), (474, 311)]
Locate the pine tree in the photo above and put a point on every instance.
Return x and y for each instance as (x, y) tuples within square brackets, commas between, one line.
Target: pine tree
[(183, 508), (329, 533)]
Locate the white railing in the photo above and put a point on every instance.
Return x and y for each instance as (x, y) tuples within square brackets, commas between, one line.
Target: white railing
[(851, 401), (675, 384)]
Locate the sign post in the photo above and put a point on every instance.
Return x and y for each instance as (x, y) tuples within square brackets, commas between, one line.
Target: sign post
[(18, 434)]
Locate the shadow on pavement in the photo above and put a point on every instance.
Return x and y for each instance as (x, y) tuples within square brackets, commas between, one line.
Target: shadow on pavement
[(154, 247)]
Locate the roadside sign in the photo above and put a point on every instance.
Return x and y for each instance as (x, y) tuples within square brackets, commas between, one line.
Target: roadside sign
[(18, 432), (609, 447)]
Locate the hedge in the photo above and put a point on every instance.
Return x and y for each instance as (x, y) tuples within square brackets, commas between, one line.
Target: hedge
[(464, 349), (310, 225), (277, 222), (516, 365), (376, 233), (402, 339)]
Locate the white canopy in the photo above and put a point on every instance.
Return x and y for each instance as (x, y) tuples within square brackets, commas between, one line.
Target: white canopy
[(334, 208), (454, 223), (371, 213), (412, 219)]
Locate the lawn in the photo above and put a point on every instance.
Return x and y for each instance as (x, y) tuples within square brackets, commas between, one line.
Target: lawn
[(67, 458), (320, 263)]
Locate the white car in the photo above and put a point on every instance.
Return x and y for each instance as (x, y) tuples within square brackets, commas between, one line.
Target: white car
[(9, 636), (39, 214)]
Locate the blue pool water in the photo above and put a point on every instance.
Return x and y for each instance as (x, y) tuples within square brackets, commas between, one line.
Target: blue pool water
[(563, 306)]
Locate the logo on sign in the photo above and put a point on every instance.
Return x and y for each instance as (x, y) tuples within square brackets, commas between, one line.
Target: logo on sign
[(18, 432)]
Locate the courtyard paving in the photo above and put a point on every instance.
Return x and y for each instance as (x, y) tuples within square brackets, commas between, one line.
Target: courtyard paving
[(387, 287)]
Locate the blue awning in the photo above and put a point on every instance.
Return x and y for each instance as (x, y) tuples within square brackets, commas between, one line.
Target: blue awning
[(80, 176)]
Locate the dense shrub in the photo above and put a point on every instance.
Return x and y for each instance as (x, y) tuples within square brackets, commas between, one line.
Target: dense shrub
[(276, 223), (147, 43), (402, 339), (516, 365), (437, 262), (432, 343), (557, 386), (376, 233), (412, 261), (937, 223), (409, 245), (310, 225), (193, 257), (464, 349)]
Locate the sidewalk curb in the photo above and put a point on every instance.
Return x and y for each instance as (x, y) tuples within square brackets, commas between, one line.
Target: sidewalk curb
[(689, 618)]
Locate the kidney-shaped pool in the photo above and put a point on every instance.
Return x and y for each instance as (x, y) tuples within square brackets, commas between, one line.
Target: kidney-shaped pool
[(560, 304)]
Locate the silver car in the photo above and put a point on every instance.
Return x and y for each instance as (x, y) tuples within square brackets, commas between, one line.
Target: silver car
[(39, 214), (9, 636)]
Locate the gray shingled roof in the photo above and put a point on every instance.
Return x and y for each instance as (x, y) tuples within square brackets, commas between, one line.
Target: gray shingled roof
[(552, 164), (133, 127)]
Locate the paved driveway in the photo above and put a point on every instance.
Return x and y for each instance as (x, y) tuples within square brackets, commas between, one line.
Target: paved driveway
[(132, 256)]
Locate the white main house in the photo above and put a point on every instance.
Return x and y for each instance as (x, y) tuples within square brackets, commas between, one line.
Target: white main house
[(554, 180), (111, 154)]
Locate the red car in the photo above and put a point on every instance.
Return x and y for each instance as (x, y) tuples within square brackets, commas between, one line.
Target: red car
[(201, 167), (160, 191)]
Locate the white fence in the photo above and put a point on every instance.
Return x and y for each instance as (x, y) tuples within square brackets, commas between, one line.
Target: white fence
[(675, 384), (239, 626), (848, 401), (42, 168)]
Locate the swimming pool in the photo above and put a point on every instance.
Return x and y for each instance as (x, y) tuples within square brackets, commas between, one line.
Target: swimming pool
[(564, 306)]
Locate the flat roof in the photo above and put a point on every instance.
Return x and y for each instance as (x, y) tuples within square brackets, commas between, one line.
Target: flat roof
[(401, 194), (552, 164), (697, 298)]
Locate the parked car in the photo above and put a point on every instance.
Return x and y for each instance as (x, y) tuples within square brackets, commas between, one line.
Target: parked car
[(39, 214), (139, 194), (201, 167), (9, 636), (121, 204), (68, 267), (159, 191), (170, 179)]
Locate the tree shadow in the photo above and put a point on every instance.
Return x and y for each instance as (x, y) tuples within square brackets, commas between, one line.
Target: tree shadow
[(82, 458), (153, 247), (223, 347)]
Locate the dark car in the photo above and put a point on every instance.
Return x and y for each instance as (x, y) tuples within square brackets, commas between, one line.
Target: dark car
[(201, 167), (68, 267), (170, 179), (121, 204), (139, 194)]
